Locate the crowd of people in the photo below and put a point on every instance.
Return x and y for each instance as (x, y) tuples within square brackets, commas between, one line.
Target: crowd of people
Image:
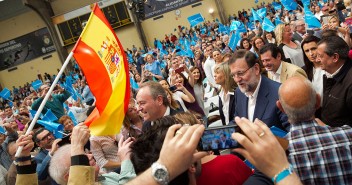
[(294, 78)]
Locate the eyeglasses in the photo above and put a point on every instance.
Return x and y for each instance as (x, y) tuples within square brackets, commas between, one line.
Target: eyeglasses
[(45, 137), (240, 74), (301, 25)]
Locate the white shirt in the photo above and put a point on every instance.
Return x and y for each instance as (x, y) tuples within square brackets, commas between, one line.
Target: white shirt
[(276, 75), (167, 112), (225, 98), (317, 81), (295, 54), (328, 75), (178, 96), (252, 99), (208, 65)]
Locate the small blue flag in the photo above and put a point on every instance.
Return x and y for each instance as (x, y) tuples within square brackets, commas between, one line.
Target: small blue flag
[(36, 84), (10, 103), (255, 15), (33, 112), (238, 26), (268, 25), (277, 6), (306, 2), (134, 84), (251, 26), (235, 37), (49, 116), (262, 12), (278, 21), (2, 130), (310, 19), (289, 4), (256, 1), (195, 19), (73, 118), (5, 94)]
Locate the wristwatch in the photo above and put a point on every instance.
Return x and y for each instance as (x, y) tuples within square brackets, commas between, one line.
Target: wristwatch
[(160, 173)]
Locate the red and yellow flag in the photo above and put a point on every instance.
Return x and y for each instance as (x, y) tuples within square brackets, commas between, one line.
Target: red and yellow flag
[(102, 59)]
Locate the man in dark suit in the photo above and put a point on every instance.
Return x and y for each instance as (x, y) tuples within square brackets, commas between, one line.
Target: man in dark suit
[(224, 142), (153, 103), (301, 32), (256, 95)]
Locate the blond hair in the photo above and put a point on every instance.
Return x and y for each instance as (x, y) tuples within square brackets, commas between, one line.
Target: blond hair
[(230, 84), (279, 31)]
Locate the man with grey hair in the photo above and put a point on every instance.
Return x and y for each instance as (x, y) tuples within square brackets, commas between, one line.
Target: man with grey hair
[(153, 103), (300, 30), (319, 154)]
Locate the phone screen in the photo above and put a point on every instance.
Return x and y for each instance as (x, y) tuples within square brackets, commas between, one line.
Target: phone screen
[(218, 138), (172, 88)]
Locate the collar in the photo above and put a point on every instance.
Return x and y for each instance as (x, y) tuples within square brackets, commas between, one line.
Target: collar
[(167, 112), (303, 125), (255, 93), (328, 75), (221, 94), (278, 71)]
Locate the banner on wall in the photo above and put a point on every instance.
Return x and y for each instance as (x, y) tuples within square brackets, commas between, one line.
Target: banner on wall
[(157, 7), (25, 48)]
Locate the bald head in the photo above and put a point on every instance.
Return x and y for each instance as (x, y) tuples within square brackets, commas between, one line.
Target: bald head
[(298, 99)]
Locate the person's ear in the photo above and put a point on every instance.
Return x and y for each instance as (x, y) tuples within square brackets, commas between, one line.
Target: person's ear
[(66, 176), (278, 104), (159, 99)]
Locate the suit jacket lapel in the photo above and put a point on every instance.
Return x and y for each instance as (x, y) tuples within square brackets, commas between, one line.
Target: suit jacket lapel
[(232, 101), (284, 73), (262, 100)]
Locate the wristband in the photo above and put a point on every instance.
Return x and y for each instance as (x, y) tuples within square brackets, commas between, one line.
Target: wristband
[(282, 175)]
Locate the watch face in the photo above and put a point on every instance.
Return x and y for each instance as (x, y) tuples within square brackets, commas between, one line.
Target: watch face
[(160, 174)]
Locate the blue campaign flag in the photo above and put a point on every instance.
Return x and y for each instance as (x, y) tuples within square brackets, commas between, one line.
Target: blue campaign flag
[(76, 76), (195, 19), (36, 84), (255, 15), (203, 30), (73, 118), (5, 94), (55, 128), (223, 29), (278, 21), (49, 116), (306, 2), (277, 6), (251, 26), (2, 130), (256, 1), (310, 19), (289, 4), (134, 84), (238, 26), (33, 112), (10, 103), (130, 58), (268, 25), (235, 37), (159, 45), (195, 38), (262, 12)]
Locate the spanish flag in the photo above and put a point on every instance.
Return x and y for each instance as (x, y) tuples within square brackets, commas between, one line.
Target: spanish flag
[(102, 59)]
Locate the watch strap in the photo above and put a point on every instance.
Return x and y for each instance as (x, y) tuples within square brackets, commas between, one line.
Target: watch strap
[(22, 159)]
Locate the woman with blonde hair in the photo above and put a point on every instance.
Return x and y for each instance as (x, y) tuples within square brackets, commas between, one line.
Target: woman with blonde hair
[(291, 49), (222, 75), (343, 32)]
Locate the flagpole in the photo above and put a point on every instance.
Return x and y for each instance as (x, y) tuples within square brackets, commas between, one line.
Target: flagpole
[(30, 128)]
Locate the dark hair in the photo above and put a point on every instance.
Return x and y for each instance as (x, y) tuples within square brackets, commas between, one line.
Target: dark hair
[(249, 57), (308, 64), (270, 47), (36, 133), (256, 49), (249, 42), (201, 78), (146, 149), (155, 90), (335, 44)]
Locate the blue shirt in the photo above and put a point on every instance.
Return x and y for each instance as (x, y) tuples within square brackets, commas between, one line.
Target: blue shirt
[(154, 67)]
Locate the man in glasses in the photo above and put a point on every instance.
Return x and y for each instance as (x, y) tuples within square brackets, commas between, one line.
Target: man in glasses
[(256, 95), (300, 31), (48, 146)]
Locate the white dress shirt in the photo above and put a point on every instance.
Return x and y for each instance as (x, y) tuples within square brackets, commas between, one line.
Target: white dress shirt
[(276, 75), (225, 99), (252, 99)]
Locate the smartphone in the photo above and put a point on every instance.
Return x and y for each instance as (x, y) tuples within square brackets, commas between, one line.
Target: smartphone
[(218, 138), (178, 50), (179, 70), (325, 18), (173, 88), (65, 140)]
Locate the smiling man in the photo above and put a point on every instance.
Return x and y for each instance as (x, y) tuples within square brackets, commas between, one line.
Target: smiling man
[(257, 95), (278, 70), (153, 103)]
